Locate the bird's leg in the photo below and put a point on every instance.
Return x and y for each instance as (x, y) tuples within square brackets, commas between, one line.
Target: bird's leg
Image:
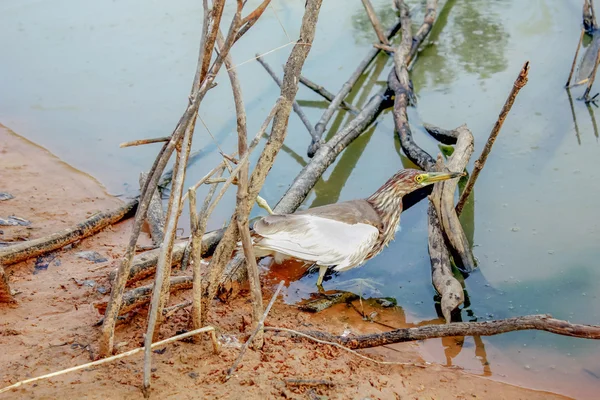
[(322, 271), (262, 203)]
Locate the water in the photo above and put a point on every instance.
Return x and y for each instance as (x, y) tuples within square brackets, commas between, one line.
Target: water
[(81, 78)]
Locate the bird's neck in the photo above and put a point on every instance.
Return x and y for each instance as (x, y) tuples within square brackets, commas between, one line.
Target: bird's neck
[(387, 201)]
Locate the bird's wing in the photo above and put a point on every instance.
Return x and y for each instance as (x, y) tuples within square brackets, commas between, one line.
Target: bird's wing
[(323, 241)]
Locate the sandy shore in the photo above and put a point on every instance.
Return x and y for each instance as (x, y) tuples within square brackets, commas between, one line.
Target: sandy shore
[(51, 325)]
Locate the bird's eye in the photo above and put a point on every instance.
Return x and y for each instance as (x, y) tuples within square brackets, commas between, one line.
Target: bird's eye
[(419, 178)]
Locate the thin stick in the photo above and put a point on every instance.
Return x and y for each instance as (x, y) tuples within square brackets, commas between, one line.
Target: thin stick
[(195, 259), (575, 57), (339, 346), (297, 109), (155, 216), (375, 22), (308, 382), (519, 83), (241, 199), (209, 329), (320, 90), (384, 47), (167, 312), (203, 180), (145, 141), (586, 94), (260, 326)]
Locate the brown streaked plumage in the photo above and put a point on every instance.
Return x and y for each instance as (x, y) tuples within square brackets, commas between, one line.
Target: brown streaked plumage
[(341, 235)]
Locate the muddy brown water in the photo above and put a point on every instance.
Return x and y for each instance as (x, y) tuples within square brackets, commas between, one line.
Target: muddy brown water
[(80, 78)]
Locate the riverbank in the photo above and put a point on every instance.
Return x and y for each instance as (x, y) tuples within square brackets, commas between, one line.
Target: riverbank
[(51, 326)]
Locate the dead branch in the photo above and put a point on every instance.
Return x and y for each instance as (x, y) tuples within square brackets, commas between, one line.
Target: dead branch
[(208, 329), (289, 89), (33, 248), (308, 382), (259, 326), (326, 94), (519, 83), (575, 56), (297, 109), (452, 227), (145, 141), (251, 18), (139, 296), (195, 260), (375, 22), (155, 216), (445, 283), (444, 136), (543, 322), (384, 47), (424, 29), (346, 88), (5, 293), (242, 197)]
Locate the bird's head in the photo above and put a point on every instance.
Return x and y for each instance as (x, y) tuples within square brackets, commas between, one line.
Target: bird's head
[(409, 180)]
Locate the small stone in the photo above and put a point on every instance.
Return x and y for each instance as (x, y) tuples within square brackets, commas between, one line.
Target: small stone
[(194, 375), (101, 290), (91, 256), (14, 221), (6, 196)]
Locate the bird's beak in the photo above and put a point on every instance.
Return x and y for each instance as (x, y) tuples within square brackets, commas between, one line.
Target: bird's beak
[(432, 177)]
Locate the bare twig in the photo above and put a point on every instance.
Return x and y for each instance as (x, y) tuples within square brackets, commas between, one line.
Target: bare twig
[(5, 293), (259, 327), (575, 57), (543, 322), (384, 47), (295, 105), (145, 141), (251, 18), (424, 29), (155, 216), (308, 382), (195, 260), (167, 312), (129, 353), (375, 22), (320, 90), (242, 198), (519, 83)]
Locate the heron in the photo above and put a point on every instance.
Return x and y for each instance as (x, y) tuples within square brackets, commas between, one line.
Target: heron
[(342, 235)]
